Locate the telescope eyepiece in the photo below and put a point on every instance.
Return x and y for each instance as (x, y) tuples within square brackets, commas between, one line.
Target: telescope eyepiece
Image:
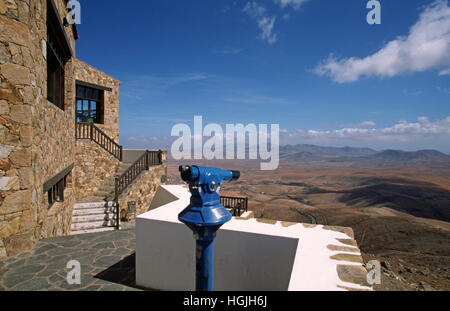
[(207, 174), (236, 175), (186, 172)]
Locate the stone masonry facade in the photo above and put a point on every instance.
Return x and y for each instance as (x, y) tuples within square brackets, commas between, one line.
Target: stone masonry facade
[(144, 189), (87, 73), (37, 138), (94, 166)]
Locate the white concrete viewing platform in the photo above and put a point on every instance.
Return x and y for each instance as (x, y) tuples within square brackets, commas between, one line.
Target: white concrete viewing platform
[(250, 254)]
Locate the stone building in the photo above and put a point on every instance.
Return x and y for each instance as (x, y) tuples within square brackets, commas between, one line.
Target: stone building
[(62, 169)]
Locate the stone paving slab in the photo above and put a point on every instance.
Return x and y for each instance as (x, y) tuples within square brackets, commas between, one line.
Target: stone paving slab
[(107, 264)]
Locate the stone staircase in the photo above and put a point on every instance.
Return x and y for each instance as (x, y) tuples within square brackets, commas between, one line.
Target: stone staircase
[(93, 217), (106, 192), (97, 213)]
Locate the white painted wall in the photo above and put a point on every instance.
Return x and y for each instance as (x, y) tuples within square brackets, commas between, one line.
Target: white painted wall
[(249, 255)]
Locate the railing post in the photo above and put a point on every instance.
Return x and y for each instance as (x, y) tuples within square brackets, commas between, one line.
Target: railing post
[(92, 131), (121, 153), (116, 199), (160, 156), (147, 160)]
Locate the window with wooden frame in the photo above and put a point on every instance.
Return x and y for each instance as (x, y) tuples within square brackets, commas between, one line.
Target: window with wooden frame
[(55, 79), (89, 104), (58, 53), (56, 186), (56, 193)]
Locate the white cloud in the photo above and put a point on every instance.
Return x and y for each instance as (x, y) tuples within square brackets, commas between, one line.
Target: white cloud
[(401, 132), (286, 17), (265, 22), (413, 93), (296, 4), (366, 124), (266, 25), (444, 72), (164, 82), (142, 87), (426, 47), (143, 139), (252, 99), (443, 90), (228, 51)]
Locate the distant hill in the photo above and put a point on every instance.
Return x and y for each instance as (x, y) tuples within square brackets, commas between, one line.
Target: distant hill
[(397, 157), (362, 156), (302, 156), (326, 151)]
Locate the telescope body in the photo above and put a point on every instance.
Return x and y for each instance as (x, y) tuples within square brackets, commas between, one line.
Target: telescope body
[(205, 215)]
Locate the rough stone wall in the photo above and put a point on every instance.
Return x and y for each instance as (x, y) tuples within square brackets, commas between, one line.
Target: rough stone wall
[(86, 73), (59, 216), (36, 138), (93, 167), (143, 189)]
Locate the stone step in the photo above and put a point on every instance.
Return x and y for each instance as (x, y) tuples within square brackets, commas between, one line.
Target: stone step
[(90, 199), (107, 188), (111, 181), (102, 193), (109, 185), (93, 218), (92, 225), (108, 197), (94, 211), (122, 170), (96, 230), (90, 205)]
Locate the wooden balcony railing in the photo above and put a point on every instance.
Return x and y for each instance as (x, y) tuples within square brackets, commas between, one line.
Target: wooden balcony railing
[(90, 131)]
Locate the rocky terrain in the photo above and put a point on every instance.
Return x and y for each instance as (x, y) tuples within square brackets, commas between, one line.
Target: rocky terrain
[(396, 202)]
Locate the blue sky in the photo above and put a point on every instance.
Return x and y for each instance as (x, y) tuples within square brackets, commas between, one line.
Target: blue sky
[(315, 67)]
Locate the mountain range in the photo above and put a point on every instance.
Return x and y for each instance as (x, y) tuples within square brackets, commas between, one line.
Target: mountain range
[(362, 156)]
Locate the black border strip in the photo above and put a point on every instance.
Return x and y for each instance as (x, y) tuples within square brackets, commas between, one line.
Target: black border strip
[(94, 86), (49, 184)]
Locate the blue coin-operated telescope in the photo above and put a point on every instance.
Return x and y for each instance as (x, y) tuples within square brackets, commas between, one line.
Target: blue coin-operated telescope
[(205, 215)]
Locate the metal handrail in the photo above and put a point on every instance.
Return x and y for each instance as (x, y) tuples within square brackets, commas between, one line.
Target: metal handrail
[(149, 158), (238, 205), (90, 131)]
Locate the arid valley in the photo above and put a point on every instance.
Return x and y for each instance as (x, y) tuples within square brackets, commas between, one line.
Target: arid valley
[(397, 203)]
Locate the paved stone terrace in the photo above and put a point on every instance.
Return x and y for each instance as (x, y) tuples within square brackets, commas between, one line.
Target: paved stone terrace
[(107, 264)]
